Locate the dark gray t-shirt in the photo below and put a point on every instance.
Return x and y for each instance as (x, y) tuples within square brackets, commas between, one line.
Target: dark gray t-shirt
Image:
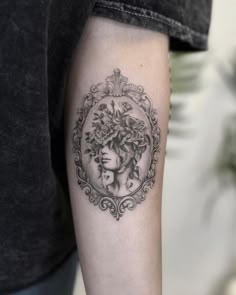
[(36, 45)]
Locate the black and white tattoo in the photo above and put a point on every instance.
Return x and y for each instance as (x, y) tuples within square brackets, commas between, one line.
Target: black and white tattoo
[(116, 144)]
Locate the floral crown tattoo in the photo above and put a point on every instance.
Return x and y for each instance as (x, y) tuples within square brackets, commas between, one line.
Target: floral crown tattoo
[(117, 129)]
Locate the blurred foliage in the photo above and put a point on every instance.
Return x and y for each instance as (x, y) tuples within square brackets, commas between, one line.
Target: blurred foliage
[(186, 69), (177, 117), (186, 72), (226, 161), (228, 73), (224, 169)]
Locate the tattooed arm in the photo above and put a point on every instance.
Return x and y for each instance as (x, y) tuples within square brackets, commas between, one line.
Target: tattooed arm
[(116, 125)]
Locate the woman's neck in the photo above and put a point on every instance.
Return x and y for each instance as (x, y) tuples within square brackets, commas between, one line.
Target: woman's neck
[(123, 177)]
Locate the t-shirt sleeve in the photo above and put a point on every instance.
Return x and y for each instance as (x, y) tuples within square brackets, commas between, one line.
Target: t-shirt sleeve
[(186, 22)]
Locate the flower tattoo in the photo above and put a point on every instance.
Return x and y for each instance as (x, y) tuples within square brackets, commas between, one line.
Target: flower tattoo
[(116, 142)]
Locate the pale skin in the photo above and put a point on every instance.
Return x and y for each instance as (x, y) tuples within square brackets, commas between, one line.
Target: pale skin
[(119, 257)]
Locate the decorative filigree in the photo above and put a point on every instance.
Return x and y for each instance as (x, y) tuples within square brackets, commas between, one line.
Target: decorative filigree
[(118, 100)]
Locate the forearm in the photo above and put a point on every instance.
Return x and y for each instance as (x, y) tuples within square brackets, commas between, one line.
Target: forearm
[(119, 254)]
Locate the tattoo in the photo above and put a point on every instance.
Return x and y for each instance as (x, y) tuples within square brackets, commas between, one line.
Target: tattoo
[(116, 142)]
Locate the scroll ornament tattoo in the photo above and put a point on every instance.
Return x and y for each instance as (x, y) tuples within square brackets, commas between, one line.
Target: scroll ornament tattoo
[(116, 142)]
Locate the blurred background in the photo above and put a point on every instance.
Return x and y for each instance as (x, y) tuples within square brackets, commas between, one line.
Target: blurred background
[(199, 198)]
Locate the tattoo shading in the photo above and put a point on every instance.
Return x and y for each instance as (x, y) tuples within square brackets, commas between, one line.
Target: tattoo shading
[(116, 142)]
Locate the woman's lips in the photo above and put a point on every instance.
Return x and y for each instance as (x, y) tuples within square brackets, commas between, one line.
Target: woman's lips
[(104, 160)]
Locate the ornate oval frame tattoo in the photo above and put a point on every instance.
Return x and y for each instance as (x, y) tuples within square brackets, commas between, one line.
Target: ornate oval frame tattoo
[(116, 142)]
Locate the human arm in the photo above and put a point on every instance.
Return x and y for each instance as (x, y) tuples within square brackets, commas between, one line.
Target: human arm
[(119, 256)]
